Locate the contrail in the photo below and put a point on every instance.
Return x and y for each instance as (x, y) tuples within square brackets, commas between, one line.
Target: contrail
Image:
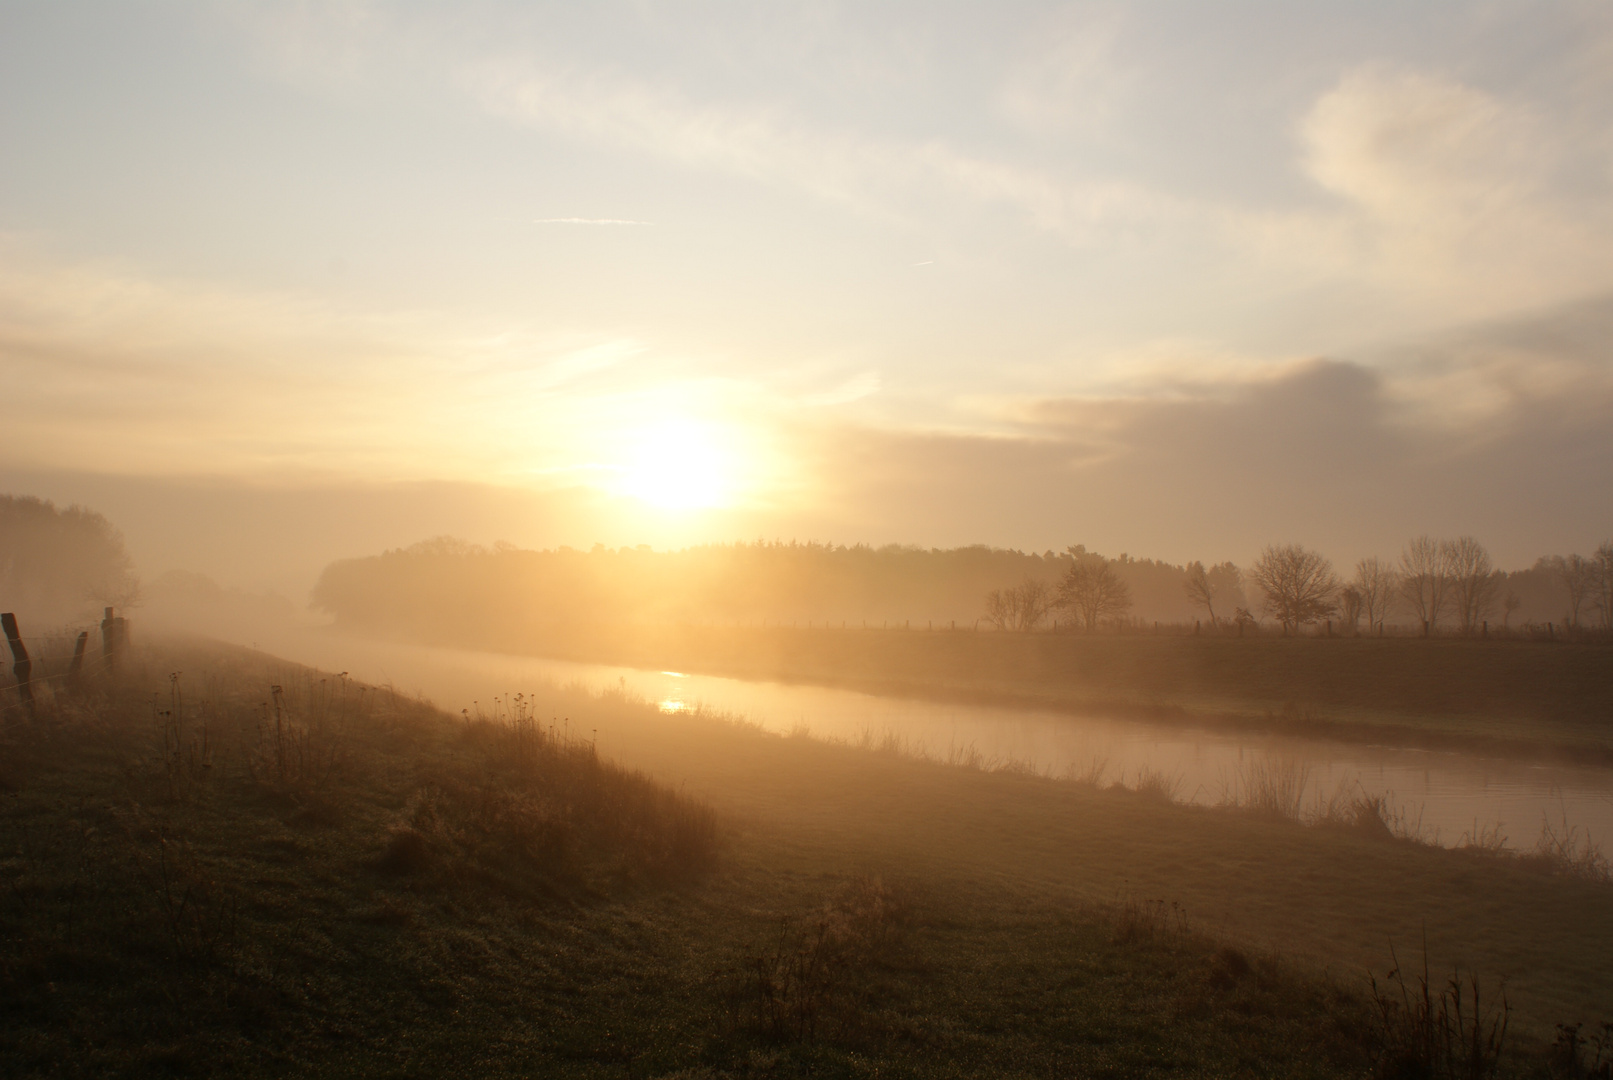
[(586, 221)]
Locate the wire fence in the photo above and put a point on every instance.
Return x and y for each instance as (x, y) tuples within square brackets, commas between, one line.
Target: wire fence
[(90, 663)]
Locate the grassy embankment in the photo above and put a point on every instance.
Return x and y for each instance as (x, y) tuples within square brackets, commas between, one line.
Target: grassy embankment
[(1500, 695), (365, 886)]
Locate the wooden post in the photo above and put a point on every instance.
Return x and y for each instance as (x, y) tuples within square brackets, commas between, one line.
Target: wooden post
[(22, 667), (75, 672), (114, 638)]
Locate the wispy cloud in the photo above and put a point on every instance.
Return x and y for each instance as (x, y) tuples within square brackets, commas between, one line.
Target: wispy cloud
[(125, 372), (586, 221), (1446, 200)]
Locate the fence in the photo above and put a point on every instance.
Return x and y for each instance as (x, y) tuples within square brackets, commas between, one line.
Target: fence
[(114, 643)]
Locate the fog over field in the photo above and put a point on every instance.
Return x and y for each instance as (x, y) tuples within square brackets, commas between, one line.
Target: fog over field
[(730, 540)]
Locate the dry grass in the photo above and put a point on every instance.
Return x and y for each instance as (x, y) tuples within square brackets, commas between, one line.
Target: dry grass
[(820, 975), (1269, 788), (1564, 849), (1578, 1056), (417, 895), (1334, 886), (1442, 1032)]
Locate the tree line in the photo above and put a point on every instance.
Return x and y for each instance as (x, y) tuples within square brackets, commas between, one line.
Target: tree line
[(59, 565), (1440, 584)]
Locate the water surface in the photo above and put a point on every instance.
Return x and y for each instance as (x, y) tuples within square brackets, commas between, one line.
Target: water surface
[(1442, 795)]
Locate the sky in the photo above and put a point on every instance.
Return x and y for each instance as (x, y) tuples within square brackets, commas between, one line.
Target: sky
[(284, 282)]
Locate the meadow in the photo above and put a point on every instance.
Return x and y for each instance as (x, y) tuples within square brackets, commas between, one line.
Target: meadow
[(216, 861)]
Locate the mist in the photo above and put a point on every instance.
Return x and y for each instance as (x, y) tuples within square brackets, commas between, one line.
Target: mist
[(730, 541)]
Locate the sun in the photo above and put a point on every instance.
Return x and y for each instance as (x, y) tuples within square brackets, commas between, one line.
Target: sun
[(680, 464)]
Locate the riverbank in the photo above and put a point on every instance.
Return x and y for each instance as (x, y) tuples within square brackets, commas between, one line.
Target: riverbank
[(1548, 699), (990, 923)]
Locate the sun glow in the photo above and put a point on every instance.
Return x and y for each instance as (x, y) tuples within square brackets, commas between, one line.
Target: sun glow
[(680, 464)]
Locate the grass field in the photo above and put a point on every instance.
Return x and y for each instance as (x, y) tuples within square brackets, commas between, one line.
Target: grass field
[(1505, 695), (202, 875)]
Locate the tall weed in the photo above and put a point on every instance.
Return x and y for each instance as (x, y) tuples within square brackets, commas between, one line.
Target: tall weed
[(1440, 1032), (817, 978)]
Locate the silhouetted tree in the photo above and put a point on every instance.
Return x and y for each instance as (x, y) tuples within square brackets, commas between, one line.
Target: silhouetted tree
[(1223, 582), (1474, 583), (1512, 603), (1022, 607), (1377, 583), (1091, 590), (1604, 583), (1298, 584), (1197, 587), (1350, 608), (1425, 579), (1579, 577), (60, 564)]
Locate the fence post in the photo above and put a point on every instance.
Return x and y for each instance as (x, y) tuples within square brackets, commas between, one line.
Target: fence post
[(22, 667), (75, 671), (114, 635)]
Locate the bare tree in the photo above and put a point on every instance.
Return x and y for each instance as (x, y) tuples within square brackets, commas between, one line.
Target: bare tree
[(1198, 589), (1578, 575), (1377, 583), (1350, 604), (1474, 583), (1001, 608), (1604, 583), (1425, 579), (1298, 584), (1035, 602), (1512, 603), (1022, 607), (1222, 582), (1092, 591)]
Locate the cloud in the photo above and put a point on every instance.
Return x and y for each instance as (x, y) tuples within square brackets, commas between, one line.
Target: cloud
[(1478, 202), (1069, 79), (748, 135), (1409, 145), (1343, 455), (1444, 200), (111, 369), (1496, 429)]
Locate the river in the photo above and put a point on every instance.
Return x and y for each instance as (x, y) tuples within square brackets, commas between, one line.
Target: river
[(1442, 796)]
